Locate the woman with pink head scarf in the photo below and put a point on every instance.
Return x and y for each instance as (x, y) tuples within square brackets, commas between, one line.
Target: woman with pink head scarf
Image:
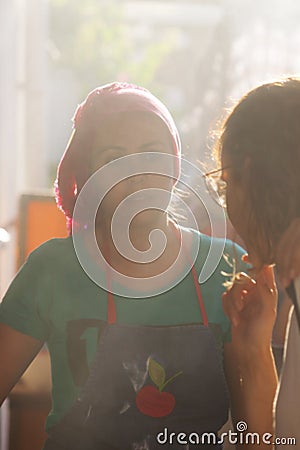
[(137, 345)]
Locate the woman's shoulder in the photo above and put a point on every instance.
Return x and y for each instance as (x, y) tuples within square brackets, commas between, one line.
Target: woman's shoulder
[(206, 242), (55, 249), (215, 256)]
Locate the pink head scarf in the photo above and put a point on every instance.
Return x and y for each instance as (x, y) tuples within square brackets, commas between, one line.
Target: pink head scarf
[(73, 169)]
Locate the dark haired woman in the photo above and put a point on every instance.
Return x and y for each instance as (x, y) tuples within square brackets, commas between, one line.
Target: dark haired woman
[(259, 159)]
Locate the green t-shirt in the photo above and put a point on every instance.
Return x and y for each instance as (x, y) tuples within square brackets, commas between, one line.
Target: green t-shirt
[(52, 299)]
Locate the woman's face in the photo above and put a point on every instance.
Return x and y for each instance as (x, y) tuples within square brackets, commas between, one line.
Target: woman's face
[(236, 197), (126, 134), (239, 207)]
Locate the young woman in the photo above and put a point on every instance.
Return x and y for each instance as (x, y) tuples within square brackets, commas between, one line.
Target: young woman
[(155, 338), (259, 158)]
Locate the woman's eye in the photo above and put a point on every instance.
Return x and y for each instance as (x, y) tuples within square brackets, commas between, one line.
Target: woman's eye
[(152, 157), (111, 158)]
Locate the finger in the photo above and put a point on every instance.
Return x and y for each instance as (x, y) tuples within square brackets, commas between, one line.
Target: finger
[(233, 299), (244, 279), (268, 277), (266, 286), (245, 258)]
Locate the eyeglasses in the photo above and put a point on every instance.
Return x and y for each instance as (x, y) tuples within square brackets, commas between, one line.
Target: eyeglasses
[(216, 187)]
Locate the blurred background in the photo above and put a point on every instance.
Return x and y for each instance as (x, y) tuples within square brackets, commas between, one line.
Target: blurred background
[(197, 56)]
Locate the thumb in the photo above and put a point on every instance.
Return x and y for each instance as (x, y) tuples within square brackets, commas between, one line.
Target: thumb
[(245, 258), (267, 279)]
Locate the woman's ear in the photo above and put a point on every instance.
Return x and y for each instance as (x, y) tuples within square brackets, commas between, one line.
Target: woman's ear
[(245, 173)]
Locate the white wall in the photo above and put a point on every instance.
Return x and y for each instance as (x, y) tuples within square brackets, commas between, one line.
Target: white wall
[(22, 123)]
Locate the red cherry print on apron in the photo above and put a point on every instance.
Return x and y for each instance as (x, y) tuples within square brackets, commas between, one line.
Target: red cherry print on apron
[(151, 400)]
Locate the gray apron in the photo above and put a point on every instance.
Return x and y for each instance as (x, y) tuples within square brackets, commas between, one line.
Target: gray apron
[(147, 385)]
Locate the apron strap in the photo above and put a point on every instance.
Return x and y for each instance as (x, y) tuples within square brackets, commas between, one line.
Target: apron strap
[(199, 295), (195, 278), (111, 307), (111, 313)]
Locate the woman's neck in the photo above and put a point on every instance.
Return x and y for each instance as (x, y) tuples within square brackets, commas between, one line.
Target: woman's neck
[(139, 236), (139, 263)]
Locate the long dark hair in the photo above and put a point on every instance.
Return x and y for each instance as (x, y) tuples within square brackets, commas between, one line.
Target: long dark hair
[(261, 140)]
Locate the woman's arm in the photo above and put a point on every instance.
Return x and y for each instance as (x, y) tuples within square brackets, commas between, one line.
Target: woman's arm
[(17, 350), (252, 382), (248, 359)]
